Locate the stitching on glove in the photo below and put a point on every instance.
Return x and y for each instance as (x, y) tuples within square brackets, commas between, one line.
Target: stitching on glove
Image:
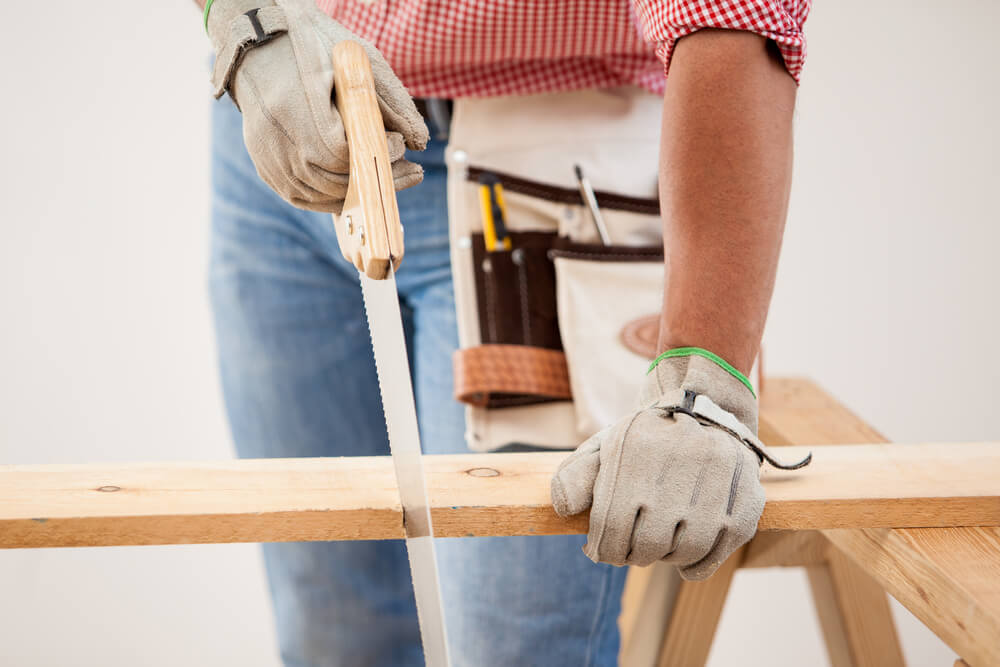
[(687, 407), (697, 485), (733, 485)]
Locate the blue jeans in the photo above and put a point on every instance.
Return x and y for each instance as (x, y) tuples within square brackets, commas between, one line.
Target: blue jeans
[(299, 380)]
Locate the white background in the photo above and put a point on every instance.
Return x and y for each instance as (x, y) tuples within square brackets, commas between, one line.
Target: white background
[(885, 295)]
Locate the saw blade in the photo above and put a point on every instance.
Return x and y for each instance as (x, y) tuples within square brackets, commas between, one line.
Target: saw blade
[(385, 324)]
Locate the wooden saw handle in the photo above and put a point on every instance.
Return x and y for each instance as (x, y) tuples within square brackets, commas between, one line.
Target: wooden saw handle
[(368, 229)]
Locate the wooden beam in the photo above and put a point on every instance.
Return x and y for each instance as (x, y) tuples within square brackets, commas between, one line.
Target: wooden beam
[(853, 609), (795, 411), (648, 605), (854, 615), (695, 617), (948, 578), (786, 548), (945, 576), (277, 500)]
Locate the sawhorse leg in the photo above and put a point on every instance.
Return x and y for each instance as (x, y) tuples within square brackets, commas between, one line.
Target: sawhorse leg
[(854, 614), (668, 622)]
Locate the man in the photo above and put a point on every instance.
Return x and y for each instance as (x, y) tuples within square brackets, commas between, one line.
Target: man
[(294, 351)]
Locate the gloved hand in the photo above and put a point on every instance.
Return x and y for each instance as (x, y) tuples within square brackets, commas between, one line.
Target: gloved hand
[(274, 60), (678, 479)]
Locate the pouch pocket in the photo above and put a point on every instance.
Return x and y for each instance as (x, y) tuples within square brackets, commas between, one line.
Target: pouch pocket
[(515, 290), (602, 293), (520, 360)]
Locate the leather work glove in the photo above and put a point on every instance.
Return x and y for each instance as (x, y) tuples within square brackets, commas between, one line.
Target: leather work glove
[(678, 479), (274, 59)]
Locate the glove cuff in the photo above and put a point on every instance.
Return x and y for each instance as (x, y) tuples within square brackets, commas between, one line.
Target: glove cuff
[(701, 385), (702, 372), (712, 356), (235, 32)]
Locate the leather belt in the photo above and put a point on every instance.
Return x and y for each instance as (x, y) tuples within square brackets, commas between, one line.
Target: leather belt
[(507, 375)]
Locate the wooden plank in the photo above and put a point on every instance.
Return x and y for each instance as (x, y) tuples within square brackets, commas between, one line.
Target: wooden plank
[(795, 411), (830, 614), (695, 617), (637, 582), (274, 500), (471, 495), (854, 615), (945, 576), (647, 605)]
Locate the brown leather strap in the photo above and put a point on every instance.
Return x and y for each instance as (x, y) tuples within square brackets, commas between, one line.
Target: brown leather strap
[(504, 375)]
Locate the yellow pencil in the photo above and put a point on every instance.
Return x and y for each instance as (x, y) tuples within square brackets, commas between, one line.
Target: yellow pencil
[(494, 213)]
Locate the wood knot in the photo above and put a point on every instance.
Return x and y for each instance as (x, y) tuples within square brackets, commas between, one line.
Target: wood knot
[(109, 488), (483, 472)]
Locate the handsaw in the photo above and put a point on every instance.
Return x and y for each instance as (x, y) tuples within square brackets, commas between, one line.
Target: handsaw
[(371, 238)]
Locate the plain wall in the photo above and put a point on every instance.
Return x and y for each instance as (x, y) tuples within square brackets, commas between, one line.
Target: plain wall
[(885, 295)]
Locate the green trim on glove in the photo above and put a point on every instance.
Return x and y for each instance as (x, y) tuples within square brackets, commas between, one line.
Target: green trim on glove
[(711, 356), (208, 5)]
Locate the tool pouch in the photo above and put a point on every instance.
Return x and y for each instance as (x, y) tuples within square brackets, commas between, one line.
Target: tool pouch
[(556, 330), (609, 299), (518, 360)]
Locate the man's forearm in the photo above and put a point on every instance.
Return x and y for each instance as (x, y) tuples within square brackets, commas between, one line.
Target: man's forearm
[(725, 175)]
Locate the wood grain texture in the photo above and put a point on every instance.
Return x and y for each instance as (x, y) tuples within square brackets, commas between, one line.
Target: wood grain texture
[(647, 608), (832, 623), (695, 617), (796, 411), (947, 577), (853, 610), (276, 500), (637, 582), (854, 615), (786, 548)]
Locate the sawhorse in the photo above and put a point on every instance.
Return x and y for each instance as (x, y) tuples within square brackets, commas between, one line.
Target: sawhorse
[(949, 578)]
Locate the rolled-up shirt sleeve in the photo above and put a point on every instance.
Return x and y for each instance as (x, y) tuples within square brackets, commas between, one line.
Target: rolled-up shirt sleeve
[(663, 22)]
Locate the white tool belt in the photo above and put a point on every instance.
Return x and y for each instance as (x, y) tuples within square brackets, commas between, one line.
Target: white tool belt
[(557, 329)]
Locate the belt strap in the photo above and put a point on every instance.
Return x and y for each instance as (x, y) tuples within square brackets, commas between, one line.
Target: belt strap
[(496, 375), (247, 31)]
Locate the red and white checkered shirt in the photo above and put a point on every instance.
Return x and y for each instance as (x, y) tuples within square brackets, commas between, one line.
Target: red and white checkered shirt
[(481, 48)]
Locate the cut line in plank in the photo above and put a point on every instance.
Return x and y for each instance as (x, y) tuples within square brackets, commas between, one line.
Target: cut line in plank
[(278, 500)]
